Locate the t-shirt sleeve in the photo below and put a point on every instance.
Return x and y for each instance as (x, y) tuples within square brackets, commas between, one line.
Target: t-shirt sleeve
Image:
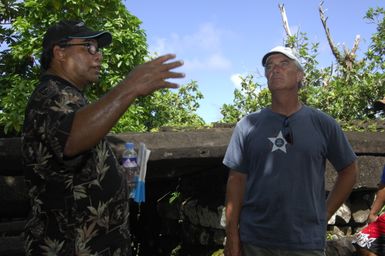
[(340, 152), (234, 157)]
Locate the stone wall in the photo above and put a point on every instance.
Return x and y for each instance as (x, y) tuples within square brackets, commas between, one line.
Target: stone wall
[(185, 186)]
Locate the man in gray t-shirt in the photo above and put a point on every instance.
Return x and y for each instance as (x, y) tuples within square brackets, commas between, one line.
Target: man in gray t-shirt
[(275, 200)]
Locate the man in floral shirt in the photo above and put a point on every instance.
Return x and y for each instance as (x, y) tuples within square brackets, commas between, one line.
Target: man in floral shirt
[(78, 192)]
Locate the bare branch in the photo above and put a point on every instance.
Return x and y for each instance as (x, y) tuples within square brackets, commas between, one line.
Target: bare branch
[(356, 43), (348, 57), (284, 19), (334, 49)]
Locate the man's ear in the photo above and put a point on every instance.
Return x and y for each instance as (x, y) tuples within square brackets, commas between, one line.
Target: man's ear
[(300, 76), (58, 52)]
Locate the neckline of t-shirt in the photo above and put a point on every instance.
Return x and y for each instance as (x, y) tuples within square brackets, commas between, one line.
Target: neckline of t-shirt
[(290, 117)]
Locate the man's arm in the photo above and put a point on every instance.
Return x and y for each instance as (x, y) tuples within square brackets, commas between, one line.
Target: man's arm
[(342, 188), (92, 122), (236, 184), (377, 204)]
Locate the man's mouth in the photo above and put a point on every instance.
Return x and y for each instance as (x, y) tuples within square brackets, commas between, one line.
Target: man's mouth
[(97, 69)]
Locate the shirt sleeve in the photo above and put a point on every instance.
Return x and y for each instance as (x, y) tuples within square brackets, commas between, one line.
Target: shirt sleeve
[(340, 152), (234, 157), (54, 109)]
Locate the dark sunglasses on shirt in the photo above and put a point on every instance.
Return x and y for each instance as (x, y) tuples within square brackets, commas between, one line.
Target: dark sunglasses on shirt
[(287, 133)]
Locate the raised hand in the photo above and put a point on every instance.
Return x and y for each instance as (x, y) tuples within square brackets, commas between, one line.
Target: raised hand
[(153, 75)]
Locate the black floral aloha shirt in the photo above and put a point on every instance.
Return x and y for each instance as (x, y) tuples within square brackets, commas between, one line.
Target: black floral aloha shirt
[(79, 204)]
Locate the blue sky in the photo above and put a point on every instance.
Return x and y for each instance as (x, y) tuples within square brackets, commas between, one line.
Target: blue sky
[(220, 40)]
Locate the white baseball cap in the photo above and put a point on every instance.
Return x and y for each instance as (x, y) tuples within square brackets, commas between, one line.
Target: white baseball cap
[(288, 52)]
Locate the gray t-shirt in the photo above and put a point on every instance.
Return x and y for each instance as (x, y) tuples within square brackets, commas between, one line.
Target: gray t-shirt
[(284, 204)]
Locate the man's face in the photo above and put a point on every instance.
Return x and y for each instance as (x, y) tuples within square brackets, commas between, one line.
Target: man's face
[(282, 73), (81, 62)]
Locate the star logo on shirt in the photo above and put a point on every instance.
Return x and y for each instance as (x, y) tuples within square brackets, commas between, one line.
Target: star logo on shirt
[(279, 142)]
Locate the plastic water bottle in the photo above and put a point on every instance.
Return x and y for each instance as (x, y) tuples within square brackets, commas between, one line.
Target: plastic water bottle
[(130, 164)]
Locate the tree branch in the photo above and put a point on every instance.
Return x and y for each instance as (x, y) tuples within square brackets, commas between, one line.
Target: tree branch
[(284, 20), (347, 59), (334, 49)]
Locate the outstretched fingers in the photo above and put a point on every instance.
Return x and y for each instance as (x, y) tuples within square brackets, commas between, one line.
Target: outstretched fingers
[(171, 74), (163, 58), (166, 70), (172, 65), (168, 84), (162, 62), (154, 75)]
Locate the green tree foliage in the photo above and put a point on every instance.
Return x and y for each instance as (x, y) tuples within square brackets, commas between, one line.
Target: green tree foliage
[(346, 90), (250, 97), (376, 52), (22, 27), (165, 108)]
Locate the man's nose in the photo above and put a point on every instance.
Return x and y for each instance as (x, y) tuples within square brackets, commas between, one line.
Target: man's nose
[(99, 55)]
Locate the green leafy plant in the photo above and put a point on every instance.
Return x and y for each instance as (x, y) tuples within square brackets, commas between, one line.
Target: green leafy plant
[(347, 90), (22, 26)]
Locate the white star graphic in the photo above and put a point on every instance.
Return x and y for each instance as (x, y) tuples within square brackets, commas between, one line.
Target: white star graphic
[(279, 142)]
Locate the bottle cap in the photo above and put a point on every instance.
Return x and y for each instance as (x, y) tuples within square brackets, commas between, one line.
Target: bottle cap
[(129, 145)]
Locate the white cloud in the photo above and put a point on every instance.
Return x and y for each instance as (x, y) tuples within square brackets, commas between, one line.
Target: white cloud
[(199, 50), (236, 80), (218, 61), (207, 38), (159, 47), (215, 61)]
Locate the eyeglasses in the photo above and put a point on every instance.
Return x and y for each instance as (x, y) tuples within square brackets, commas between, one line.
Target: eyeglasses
[(91, 48), (282, 64), (287, 132)]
